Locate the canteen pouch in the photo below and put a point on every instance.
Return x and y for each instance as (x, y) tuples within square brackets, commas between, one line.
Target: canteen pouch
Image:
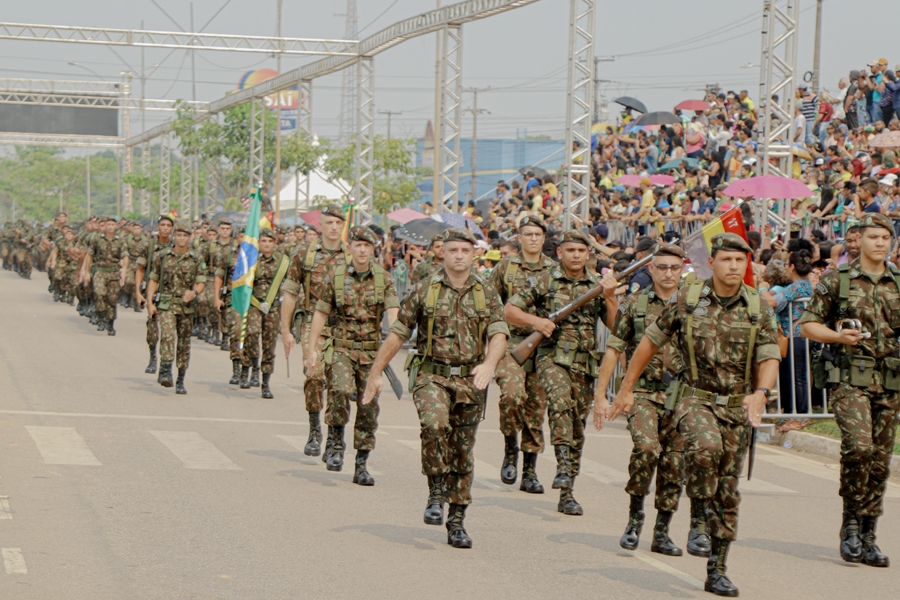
[(672, 394), (564, 354), (892, 374), (412, 366), (296, 325), (826, 374), (328, 351), (861, 371), (164, 301), (594, 363)]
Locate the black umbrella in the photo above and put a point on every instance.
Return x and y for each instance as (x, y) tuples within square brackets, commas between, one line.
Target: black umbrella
[(420, 231), (538, 171), (632, 103), (656, 118)]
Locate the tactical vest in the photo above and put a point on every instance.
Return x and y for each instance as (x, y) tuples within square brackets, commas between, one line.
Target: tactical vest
[(309, 263), (431, 300), (341, 283)]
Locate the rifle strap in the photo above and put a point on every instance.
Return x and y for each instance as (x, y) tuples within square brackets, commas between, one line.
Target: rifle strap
[(272, 294), (510, 277), (753, 311), (643, 303), (693, 296)]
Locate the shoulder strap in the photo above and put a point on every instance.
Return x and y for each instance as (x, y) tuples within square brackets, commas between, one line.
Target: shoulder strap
[(511, 269), (894, 273), (309, 263), (431, 300), (693, 296), (753, 311), (339, 272), (643, 303), (378, 275), (481, 308), (843, 290), (283, 264)]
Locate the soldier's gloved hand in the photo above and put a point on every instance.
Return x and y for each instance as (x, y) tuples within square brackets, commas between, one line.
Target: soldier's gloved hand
[(373, 387), (849, 337), (601, 408), (623, 403), (483, 376)]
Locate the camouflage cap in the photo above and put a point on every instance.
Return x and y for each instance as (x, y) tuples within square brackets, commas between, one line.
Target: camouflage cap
[(875, 220), (363, 234), (458, 234), (532, 221), (166, 218), (438, 237), (669, 250), (183, 225), (224, 221), (269, 233), (334, 210), (730, 241), (575, 236)]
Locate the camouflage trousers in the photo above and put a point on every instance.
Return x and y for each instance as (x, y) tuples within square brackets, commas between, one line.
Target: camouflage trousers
[(716, 441), (346, 384), (129, 280), (866, 420), (106, 292), (5, 253), (261, 330), (522, 404), (230, 326), (64, 281), (174, 328), (570, 394), (24, 260), (314, 386), (152, 330), (657, 446), (205, 302), (450, 409)]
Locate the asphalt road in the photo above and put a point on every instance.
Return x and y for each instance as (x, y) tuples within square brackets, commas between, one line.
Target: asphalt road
[(112, 487)]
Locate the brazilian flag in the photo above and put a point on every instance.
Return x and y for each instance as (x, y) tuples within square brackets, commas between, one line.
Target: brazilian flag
[(245, 269)]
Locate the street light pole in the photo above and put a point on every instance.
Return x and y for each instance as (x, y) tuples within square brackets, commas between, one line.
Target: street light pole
[(278, 129), (475, 112), (389, 114), (817, 50)]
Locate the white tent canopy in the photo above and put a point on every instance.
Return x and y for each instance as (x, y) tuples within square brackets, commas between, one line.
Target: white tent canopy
[(320, 190)]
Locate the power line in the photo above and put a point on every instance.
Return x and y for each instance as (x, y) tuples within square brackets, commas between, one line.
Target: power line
[(379, 16)]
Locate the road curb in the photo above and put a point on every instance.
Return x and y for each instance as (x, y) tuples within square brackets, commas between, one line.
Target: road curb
[(813, 444)]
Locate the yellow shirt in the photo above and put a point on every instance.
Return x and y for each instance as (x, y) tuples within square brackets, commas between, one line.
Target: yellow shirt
[(552, 189), (649, 200)]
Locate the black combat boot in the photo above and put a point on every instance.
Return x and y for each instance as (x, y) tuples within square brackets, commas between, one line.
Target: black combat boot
[(567, 503), (313, 444), (508, 473), (872, 555), (266, 391), (204, 328), (632, 534), (245, 381), (716, 580), (235, 372), (698, 539), (662, 543), (530, 483), (110, 327), (562, 480), (434, 510), (55, 294), (336, 460), (329, 445), (225, 345), (361, 475), (165, 375), (95, 318), (456, 532), (70, 300), (101, 323), (179, 383), (195, 331), (254, 375), (151, 368), (212, 334), (851, 544)]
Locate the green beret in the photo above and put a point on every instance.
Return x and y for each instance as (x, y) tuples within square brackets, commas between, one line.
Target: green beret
[(269, 233), (458, 234), (730, 241), (532, 221), (334, 210), (875, 220), (669, 250), (363, 234), (575, 236), (183, 225)]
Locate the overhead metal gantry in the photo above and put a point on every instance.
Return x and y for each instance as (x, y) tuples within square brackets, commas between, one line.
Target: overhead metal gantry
[(579, 109)]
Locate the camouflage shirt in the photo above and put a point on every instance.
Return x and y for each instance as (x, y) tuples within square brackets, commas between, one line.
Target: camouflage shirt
[(623, 336), (525, 276), (107, 252), (266, 269), (63, 260), (423, 270), (178, 273), (721, 338), (318, 274), (142, 251), (222, 257), (873, 299), (454, 339)]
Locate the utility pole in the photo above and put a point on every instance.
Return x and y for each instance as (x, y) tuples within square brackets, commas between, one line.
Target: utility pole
[(438, 179), (193, 66), (278, 129), (88, 179), (389, 113), (143, 86), (475, 112), (817, 50)]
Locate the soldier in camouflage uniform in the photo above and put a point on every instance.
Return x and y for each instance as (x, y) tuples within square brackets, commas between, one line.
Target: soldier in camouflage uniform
[(207, 305), (85, 290), (223, 256), (523, 401), (356, 297), (106, 264), (52, 235), (264, 316), (431, 263), (147, 251), (63, 265), (866, 379), (718, 326), (657, 444), (311, 266), (22, 243), (138, 239), (449, 375), (567, 361), (179, 276), (6, 237)]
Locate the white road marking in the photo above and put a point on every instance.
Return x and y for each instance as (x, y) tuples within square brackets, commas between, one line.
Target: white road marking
[(299, 443), (668, 569), (5, 510), (194, 451), (14, 561), (816, 468), (62, 446), (596, 470)]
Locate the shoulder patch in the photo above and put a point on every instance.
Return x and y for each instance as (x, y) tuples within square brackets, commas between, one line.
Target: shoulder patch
[(821, 289), (771, 312), (623, 308), (634, 287)]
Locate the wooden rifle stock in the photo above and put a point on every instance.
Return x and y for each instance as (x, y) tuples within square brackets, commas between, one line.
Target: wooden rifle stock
[(526, 347)]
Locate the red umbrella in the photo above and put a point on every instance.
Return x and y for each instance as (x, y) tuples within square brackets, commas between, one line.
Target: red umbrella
[(312, 217), (662, 179), (405, 215), (768, 186), (696, 105)]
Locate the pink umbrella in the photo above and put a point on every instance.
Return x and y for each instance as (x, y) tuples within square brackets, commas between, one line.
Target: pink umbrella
[(695, 105), (629, 180), (662, 179), (405, 215), (768, 186)]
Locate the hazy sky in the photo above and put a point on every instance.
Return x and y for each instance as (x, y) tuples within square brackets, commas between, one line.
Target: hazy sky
[(666, 50)]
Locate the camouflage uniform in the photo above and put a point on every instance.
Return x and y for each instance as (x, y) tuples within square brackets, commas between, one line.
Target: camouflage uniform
[(223, 258), (179, 273), (423, 270), (22, 242), (147, 252), (64, 272), (261, 325), (105, 255)]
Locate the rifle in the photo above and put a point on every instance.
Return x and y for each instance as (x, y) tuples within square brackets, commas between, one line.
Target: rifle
[(395, 383), (526, 347), (751, 459)]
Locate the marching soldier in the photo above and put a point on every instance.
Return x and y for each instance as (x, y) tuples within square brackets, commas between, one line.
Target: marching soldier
[(657, 444), (138, 239), (22, 242), (523, 401), (223, 256), (63, 265), (717, 325), (147, 252), (866, 378), (179, 275), (263, 316), (462, 338), (431, 263), (311, 266), (357, 296), (105, 267)]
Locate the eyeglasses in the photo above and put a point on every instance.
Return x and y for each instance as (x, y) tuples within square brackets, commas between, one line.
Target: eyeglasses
[(665, 268)]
